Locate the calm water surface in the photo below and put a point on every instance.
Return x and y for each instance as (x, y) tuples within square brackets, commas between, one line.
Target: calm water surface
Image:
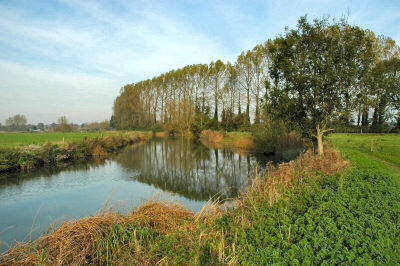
[(188, 171)]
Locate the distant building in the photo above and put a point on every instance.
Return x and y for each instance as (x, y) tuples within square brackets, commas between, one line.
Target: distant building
[(34, 129)]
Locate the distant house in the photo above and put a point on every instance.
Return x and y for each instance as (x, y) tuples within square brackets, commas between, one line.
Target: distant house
[(34, 129)]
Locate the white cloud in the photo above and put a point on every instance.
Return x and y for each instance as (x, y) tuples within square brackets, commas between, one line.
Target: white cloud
[(112, 44), (107, 49)]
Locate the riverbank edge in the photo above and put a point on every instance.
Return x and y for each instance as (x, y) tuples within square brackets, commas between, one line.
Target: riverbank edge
[(33, 156)]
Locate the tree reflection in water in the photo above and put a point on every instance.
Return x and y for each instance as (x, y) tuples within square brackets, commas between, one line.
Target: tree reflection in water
[(190, 169)]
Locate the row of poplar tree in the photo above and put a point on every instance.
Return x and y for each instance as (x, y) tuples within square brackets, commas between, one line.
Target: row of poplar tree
[(321, 74)]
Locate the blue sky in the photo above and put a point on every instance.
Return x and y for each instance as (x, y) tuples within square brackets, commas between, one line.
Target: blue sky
[(71, 57)]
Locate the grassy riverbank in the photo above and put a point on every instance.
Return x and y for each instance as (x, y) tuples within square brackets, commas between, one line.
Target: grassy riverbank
[(13, 139), (31, 156), (309, 211)]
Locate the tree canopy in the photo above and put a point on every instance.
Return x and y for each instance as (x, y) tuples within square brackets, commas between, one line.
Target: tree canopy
[(17, 122), (316, 77)]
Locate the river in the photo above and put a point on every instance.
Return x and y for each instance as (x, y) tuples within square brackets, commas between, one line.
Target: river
[(176, 168)]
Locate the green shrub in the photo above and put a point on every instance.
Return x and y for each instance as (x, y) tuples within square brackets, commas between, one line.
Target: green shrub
[(267, 134), (158, 127)]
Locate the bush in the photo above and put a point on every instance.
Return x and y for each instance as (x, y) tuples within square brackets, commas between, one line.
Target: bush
[(227, 120), (64, 128), (214, 124), (157, 128), (241, 122), (172, 128), (268, 134), (199, 123)]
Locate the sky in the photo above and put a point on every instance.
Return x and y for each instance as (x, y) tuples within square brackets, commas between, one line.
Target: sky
[(71, 57)]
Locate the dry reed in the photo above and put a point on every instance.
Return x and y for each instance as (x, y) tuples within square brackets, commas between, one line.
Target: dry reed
[(210, 136), (162, 134), (273, 185), (99, 151), (75, 241)]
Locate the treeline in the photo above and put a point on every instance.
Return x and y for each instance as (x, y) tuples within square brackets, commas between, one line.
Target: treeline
[(19, 123), (321, 75)]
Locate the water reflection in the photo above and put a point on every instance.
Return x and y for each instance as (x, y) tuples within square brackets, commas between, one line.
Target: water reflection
[(189, 168), (48, 171)]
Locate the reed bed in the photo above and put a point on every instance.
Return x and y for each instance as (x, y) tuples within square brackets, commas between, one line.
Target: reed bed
[(222, 139)]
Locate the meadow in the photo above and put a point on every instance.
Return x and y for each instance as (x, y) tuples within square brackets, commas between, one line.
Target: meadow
[(12, 139), (385, 148)]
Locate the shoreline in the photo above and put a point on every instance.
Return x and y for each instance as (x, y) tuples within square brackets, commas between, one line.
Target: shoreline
[(33, 156)]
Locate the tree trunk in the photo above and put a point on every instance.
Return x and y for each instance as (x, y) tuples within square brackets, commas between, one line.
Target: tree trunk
[(375, 116), (216, 108), (248, 103), (364, 118), (319, 141), (257, 114)]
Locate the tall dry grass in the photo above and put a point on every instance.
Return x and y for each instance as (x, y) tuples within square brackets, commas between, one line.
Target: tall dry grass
[(211, 136), (277, 179), (221, 139), (77, 242), (162, 134)]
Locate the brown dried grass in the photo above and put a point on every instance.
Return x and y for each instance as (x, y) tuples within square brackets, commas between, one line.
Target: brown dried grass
[(75, 241), (162, 134), (140, 136), (211, 136), (164, 216), (272, 186), (244, 143), (99, 151)]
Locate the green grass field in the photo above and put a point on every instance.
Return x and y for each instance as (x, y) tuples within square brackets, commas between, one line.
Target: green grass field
[(26, 138), (386, 149)]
